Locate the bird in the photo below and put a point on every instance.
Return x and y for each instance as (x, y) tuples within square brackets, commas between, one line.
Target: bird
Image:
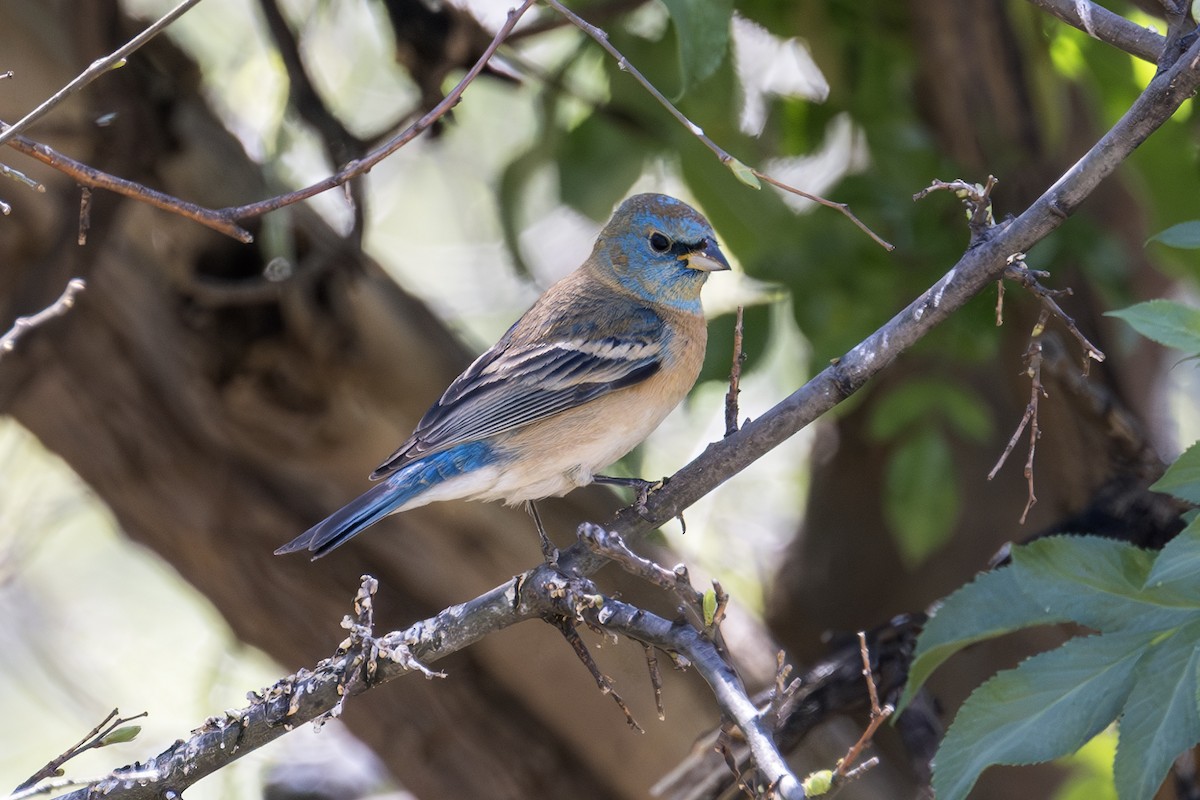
[(586, 374)]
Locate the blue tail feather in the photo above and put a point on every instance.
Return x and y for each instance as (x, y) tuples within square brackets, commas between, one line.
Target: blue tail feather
[(387, 496)]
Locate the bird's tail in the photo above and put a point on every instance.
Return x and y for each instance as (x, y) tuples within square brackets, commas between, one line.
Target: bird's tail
[(398, 491), (352, 518)]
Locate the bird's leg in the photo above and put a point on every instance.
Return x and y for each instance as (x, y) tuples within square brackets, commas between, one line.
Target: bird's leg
[(642, 486), (549, 551)]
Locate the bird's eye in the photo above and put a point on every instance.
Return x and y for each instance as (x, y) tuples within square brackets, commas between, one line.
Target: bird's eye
[(660, 243)]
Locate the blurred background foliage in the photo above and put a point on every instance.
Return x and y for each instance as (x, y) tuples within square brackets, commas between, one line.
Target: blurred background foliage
[(831, 97)]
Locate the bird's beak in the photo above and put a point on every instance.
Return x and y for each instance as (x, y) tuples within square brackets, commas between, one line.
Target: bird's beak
[(706, 257)]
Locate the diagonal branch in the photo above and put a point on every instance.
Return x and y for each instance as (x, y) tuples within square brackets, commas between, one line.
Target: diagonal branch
[(1100, 23), (94, 71), (225, 220)]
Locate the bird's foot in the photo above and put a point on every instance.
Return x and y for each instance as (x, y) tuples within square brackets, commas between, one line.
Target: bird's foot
[(642, 486)]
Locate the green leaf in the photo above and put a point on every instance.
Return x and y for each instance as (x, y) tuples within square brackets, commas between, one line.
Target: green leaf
[(930, 399), (744, 173), (920, 495), (1160, 719), (702, 28), (1178, 564), (990, 606), (1182, 478), (1166, 322), (1185, 236), (1045, 708), (126, 733), (1099, 583), (710, 607)]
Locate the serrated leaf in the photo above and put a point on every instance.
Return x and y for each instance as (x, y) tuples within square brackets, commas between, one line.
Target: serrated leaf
[(1178, 564), (1185, 236), (990, 606), (1182, 479), (1099, 583), (920, 495), (126, 733), (1166, 322), (1045, 708), (702, 29), (1160, 719)]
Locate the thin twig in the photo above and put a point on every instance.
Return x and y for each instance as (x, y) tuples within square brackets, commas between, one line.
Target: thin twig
[(97, 179), (367, 162), (735, 377), (95, 70), (977, 198), (93, 739), (225, 220), (1018, 271), (1033, 368), (879, 714), (21, 178), (611, 546), (655, 681), (841, 208), (85, 214), (23, 325), (739, 169), (567, 628)]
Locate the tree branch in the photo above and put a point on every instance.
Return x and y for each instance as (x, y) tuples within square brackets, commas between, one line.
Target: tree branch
[(225, 220), (1100, 23), (95, 70), (23, 325)]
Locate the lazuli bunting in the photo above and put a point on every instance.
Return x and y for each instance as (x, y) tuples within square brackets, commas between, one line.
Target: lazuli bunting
[(576, 383)]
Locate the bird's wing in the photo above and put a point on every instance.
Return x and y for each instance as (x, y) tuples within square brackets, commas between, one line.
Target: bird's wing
[(511, 385)]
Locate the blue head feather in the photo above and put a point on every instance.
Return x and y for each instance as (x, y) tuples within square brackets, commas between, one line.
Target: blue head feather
[(659, 248)]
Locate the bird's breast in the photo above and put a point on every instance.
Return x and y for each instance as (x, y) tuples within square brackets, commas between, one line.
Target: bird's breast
[(555, 455)]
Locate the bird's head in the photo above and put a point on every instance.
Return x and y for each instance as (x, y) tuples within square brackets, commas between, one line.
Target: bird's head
[(659, 248)]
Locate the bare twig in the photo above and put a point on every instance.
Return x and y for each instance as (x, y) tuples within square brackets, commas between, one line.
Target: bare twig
[(879, 715), (735, 377), (21, 178), (85, 214), (976, 197), (739, 169), (98, 179), (367, 162), (23, 325), (225, 220), (1100, 23), (1033, 368), (96, 737), (604, 683), (1018, 271), (655, 680), (611, 546), (95, 70)]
